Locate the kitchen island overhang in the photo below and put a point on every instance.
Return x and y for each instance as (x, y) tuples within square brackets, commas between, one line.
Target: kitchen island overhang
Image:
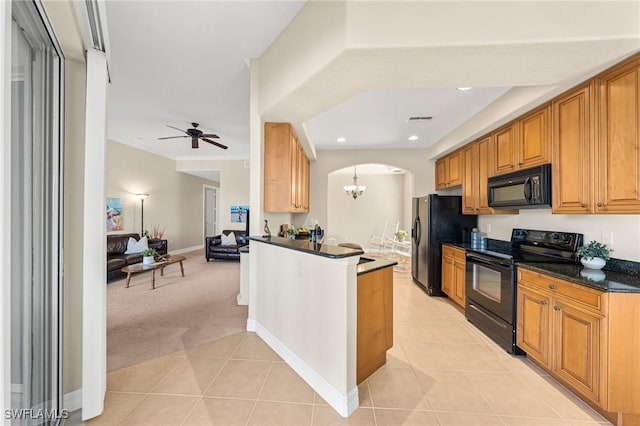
[(303, 304)]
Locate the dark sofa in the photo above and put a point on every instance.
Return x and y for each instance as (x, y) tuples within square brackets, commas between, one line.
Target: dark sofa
[(215, 250), (116, 259)]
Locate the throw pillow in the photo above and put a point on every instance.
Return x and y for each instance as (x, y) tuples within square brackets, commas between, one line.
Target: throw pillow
[(134, 246), (228, 240)]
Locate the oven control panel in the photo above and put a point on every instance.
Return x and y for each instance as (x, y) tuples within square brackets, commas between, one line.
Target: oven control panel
[(568, 241)]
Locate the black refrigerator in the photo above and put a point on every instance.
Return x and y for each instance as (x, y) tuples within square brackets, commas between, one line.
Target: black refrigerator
[(437, 219)]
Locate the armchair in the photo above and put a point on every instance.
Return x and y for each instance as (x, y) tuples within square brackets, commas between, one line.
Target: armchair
[(215, 250)]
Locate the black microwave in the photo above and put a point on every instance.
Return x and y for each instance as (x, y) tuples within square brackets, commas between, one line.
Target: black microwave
[(524, 189)]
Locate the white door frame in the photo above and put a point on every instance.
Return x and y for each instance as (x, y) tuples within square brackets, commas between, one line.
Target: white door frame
[(216, 218)]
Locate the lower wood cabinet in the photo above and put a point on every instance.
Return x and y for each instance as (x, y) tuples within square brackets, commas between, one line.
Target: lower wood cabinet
[(583, 337), (375, 321), (453, 274)]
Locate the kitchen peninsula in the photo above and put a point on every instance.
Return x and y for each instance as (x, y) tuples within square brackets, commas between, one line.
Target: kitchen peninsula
[(304, 302)]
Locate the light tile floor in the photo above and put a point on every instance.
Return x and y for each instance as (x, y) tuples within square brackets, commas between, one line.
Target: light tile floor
[(441, 371)]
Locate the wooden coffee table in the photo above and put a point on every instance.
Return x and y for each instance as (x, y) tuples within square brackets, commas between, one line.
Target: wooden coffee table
[(141, 267)]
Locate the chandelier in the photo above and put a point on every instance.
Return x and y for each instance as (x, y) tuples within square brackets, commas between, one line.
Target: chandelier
[(354, 190)]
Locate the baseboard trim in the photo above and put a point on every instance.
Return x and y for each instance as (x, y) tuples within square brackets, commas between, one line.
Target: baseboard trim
[(72, 401), (251, 325), (186, 250), (241, 300), (345, 405)]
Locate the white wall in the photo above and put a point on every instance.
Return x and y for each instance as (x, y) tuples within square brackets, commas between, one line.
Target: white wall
[(355, 221), (234, 185), (414, 161), (175, 199)]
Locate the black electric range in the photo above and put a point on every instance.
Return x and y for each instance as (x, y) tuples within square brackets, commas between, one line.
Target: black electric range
[(491, 278)]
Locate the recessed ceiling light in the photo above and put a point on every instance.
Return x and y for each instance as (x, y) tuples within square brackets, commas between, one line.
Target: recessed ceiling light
[(397, 170), (462, 89), (341, 139), (413, 138)]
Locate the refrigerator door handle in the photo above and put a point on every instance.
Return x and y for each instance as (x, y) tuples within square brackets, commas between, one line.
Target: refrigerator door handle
[(418, 230)]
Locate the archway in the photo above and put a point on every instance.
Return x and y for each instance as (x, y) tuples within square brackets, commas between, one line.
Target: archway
[(387, 198)]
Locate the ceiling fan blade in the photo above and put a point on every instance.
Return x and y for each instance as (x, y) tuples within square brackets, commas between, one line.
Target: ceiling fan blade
[(183, 131), (210, 135), (194, 143), (173, 137), (214, 143)]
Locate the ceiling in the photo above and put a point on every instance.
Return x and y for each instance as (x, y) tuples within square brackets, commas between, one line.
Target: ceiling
[(178, 62), (173, 63)]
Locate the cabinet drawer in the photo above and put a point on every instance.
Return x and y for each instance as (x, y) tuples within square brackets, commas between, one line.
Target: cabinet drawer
[(586, 296), (457, 254)]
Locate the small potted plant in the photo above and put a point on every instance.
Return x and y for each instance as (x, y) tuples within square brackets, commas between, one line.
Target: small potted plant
[(401, 235), (291, 232), (148, 256), (594, 255)]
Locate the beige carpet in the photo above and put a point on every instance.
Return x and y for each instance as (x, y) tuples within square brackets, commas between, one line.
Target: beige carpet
[(179, 314)]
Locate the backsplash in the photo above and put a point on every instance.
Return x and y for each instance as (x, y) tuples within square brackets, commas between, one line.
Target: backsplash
[(623, 229)]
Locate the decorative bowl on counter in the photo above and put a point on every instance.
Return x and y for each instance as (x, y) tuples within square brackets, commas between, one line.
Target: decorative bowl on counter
[(593, 262)]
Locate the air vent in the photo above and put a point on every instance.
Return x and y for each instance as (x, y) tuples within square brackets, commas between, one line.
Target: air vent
[(420, 118)]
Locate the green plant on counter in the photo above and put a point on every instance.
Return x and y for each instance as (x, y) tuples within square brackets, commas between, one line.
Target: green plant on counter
[(594, 249), (149, 252)]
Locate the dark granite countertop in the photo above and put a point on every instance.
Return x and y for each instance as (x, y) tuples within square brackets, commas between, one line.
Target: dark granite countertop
[(618, 276), (306, 246), (369, 264), (605, 279)]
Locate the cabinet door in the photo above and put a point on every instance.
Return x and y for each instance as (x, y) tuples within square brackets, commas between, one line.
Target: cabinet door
[(448, 275), (483, 175), (503, 154), (454, 169), (619, 142), (294, 170), (533, 334), (470, 180), (277, 167), (441, 174), (577, 348), (571, 165), (305, 182), (534, 141), (458, 295)]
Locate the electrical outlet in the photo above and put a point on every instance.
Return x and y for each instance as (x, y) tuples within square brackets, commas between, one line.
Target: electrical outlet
[(488, 228), (300, 269), (605, 237)]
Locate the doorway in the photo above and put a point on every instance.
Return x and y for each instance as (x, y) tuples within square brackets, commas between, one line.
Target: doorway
[(211, 208)]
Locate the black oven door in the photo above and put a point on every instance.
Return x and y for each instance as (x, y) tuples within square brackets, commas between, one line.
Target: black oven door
[(490, 284)]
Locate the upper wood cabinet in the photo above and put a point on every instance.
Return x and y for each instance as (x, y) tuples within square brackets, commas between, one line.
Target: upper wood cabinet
[(522, 144), (571, 162), (618, 147), (449, 171), (476, 161), (286, 170), (504, 151)]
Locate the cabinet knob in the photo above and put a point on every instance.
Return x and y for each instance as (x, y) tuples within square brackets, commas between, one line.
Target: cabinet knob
[(552, 286), (556, 308), (543, 303), (600, 204), (584, 205), (520, 163)]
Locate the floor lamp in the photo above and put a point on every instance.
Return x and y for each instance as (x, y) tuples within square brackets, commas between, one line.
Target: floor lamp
[(142, 197)]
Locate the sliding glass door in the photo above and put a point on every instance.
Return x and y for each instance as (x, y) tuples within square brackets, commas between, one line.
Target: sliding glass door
[(36, 212)]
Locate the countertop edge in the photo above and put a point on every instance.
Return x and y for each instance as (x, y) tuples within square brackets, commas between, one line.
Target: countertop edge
[(615, 282), (323, 250), (377, 264)]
